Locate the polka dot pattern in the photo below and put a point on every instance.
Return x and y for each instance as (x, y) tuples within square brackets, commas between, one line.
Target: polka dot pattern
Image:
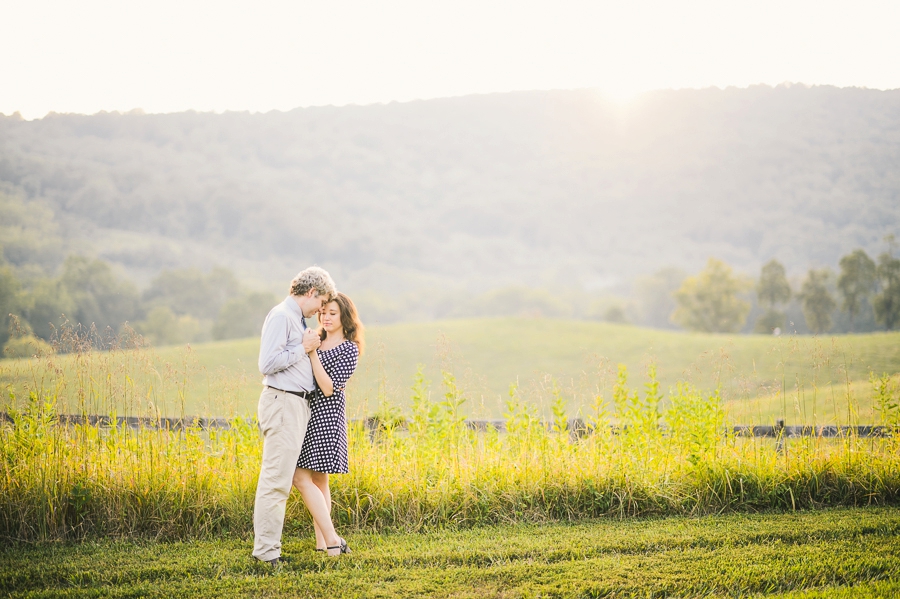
[(325, 443)]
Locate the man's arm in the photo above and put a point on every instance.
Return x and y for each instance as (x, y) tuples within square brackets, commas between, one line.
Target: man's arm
[(274, 355)]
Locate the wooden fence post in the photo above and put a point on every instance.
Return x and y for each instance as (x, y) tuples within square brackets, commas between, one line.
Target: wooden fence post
[(779, 436)]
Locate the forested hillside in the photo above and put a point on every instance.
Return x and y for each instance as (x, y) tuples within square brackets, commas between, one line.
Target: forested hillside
[(558, 189)]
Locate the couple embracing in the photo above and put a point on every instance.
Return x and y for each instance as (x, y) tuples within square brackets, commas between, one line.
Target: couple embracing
[(301, 409)]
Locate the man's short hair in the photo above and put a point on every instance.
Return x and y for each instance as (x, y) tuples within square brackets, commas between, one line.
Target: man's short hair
[(313, 278)]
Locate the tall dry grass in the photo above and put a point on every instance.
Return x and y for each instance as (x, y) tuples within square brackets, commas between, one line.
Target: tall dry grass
[(422, 469)]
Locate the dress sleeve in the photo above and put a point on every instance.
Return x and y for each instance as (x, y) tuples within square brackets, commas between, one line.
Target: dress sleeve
[(344, 366)]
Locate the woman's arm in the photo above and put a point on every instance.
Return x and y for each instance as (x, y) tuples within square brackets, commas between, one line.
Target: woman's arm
[(322, 379)]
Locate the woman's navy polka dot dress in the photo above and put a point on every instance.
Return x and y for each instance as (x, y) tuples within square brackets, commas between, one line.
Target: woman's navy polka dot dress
[(325, 443)]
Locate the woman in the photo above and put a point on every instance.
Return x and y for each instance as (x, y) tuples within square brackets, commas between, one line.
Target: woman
[(325, 444)]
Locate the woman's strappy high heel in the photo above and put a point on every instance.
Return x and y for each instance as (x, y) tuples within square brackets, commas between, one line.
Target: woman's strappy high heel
[(344, 548)]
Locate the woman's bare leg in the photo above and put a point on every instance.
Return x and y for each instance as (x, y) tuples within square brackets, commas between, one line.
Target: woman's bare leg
[(320, 479), (320, 538), (319, 507)]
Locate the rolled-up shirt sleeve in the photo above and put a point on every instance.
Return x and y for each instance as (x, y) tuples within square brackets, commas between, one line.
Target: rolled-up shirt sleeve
[(274, 353)]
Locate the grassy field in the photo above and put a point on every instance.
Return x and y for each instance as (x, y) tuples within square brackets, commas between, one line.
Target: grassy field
[(800, 379), (581, 358), (438, 509), (839, 553), (60, 481)]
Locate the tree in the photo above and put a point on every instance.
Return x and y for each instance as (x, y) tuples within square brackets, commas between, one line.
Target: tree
[(816, 301), (887, 303), (99, 298), (163, 327), (607, 309), (29, 232), (856, 281), (48, 305), (9, 300), (615, 314), (773, 289), (654, 296), (243, 317), (709, 302), (26, 347), (189, 291)]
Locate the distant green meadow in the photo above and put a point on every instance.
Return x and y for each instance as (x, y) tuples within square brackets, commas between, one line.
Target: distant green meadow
[(801, 379)]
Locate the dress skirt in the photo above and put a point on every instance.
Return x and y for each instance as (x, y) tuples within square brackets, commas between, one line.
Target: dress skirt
[(325, 443)]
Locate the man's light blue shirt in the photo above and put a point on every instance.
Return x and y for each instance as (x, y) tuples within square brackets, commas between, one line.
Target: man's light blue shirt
[(282, 360)]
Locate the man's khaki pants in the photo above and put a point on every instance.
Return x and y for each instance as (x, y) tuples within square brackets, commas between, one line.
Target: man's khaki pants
[(282, 420)]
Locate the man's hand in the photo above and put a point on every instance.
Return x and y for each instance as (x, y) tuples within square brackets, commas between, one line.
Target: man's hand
[(311, 340)]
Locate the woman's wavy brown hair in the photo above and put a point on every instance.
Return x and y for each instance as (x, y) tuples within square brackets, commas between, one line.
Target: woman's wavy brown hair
[(353, 327)]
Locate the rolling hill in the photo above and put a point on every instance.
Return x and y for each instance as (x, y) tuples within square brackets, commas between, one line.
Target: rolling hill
[(420, 204)]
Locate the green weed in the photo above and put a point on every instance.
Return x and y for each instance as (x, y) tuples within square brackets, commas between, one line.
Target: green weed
[(419, 470)]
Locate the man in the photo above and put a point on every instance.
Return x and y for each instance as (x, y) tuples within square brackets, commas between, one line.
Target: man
[(283, 411)]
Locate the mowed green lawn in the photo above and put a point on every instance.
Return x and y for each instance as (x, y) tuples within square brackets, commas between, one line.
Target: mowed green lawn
[(833, 553), (803, 379)]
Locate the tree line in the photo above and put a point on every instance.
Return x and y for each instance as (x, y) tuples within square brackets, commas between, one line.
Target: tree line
[(459, 192), (715, 299), (179, 306), (188, 305)]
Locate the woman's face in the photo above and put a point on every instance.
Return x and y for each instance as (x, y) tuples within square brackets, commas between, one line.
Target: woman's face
[(330, 317)]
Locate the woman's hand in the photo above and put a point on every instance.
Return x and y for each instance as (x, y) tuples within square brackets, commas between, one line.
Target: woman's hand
[(311, 341)]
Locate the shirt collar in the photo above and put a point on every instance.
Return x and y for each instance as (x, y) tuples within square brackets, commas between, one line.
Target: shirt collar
[(292, 305)]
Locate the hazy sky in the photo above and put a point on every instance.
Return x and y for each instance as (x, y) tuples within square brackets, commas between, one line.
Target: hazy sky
[(163, 56)]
